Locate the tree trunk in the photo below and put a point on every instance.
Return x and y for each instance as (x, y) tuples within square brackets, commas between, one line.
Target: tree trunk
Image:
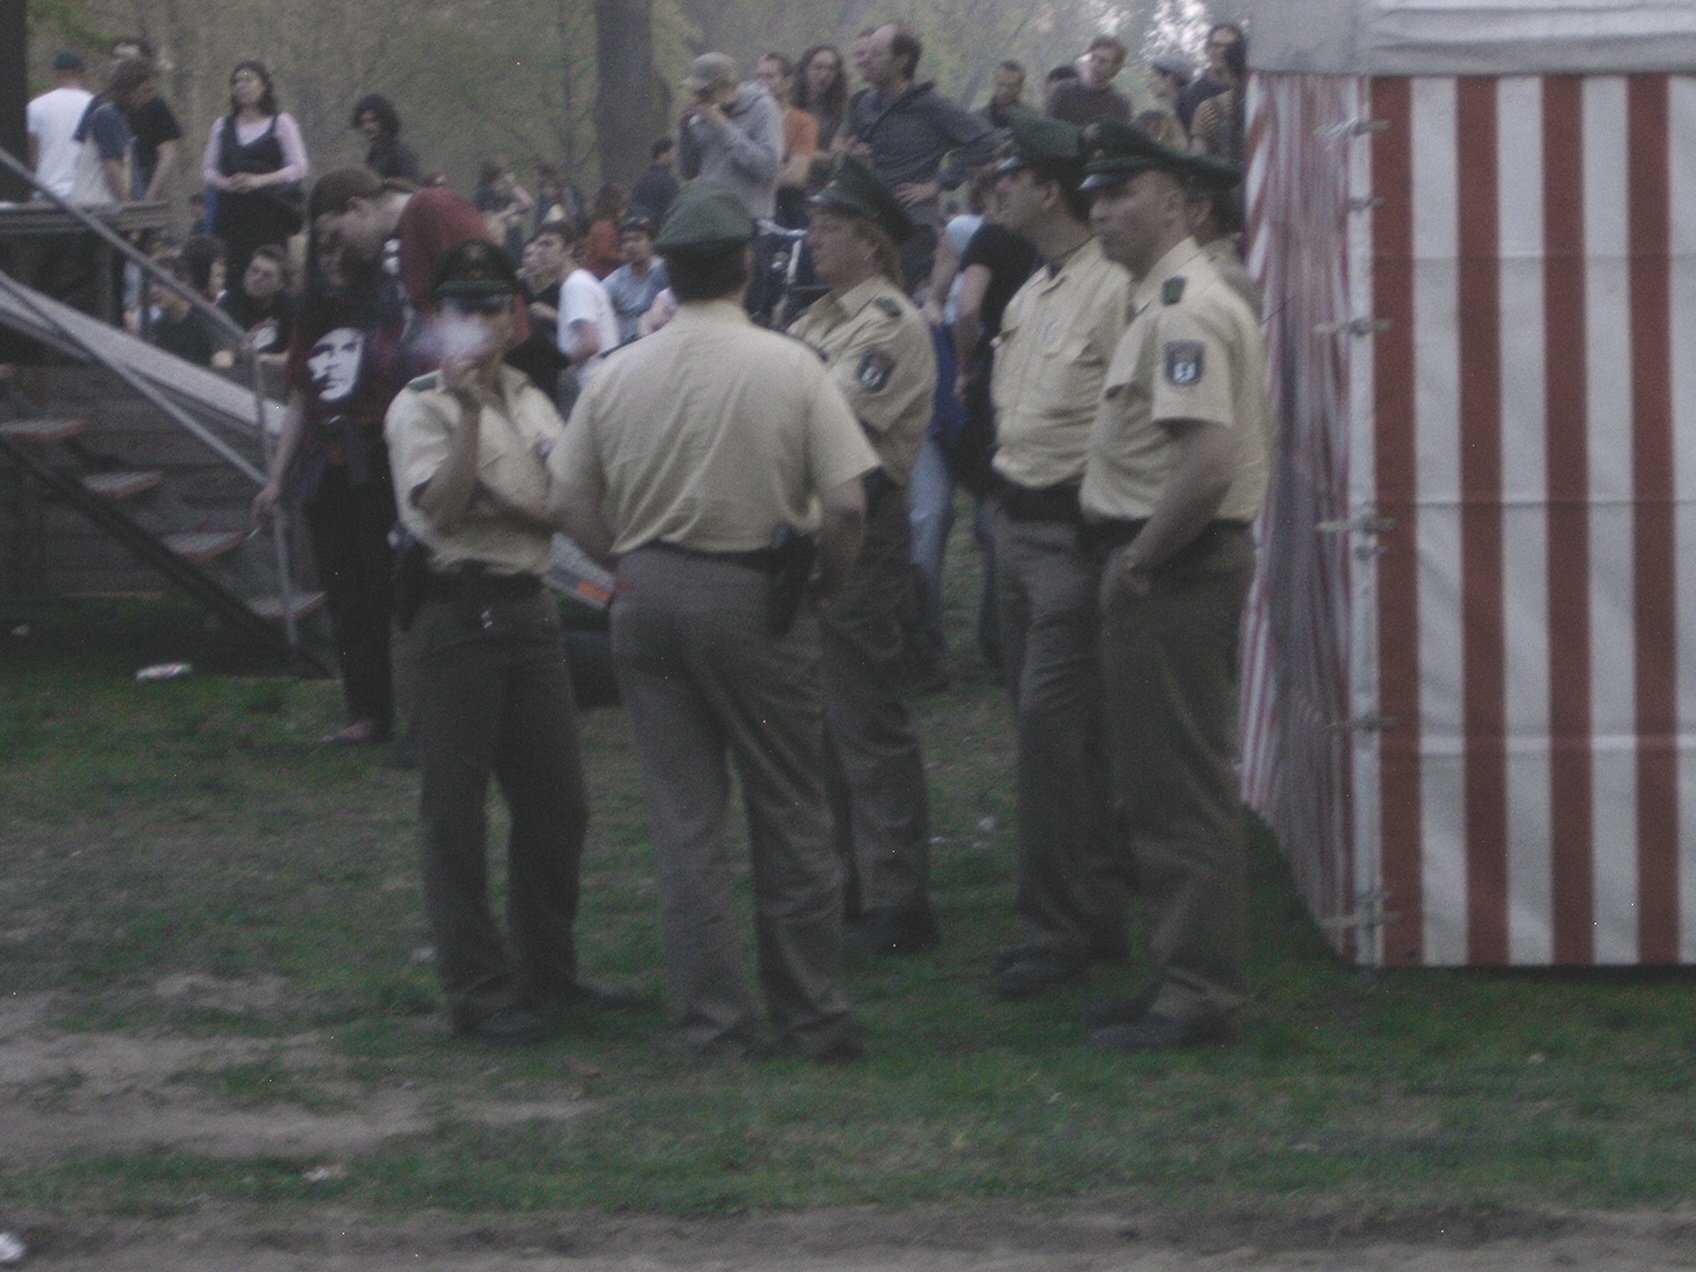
[(627, 115), (14, 95)]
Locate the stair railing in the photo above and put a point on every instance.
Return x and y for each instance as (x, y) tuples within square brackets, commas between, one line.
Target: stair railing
[(225, 326)]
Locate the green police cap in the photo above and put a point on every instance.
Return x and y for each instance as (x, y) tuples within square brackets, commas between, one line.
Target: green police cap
[(1050, 145), (703, 217), (1114, 152), (1214, 175), (854, 188), (475, 267)]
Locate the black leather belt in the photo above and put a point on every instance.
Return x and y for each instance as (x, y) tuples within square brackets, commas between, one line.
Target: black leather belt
[(1104, 536), (761, 559), (481, 587), (1041, 503)]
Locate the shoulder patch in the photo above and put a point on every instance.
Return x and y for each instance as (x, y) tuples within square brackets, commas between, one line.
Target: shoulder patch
[(874, 371), (1184, 362), (1173, 290), (426, 383), (888, 306)]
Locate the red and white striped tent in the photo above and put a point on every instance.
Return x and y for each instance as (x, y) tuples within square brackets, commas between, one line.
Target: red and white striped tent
[(1470, 693)]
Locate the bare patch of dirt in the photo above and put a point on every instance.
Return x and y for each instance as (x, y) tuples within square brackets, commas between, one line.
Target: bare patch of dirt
[(61, 1092), (977, 1240), (93, 1091), (214, 993)]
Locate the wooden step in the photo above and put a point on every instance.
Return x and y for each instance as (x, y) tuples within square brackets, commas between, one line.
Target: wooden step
[(201, 546), (306, 604), (42, 432), (123, 485)]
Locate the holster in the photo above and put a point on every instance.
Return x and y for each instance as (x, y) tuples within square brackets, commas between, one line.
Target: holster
[(793, 555), (412, 575)]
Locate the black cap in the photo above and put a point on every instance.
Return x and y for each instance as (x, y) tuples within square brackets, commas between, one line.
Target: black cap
[(1115, 152), (68, 60), (1047, 144), (854, 188), (475, 267)]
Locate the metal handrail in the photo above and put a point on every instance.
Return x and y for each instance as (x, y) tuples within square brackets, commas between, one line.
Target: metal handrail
[(227, 327)]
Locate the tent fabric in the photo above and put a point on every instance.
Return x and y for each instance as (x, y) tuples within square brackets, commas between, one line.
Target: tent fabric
[(1501, 437), (1298, 755), (1474, 37)]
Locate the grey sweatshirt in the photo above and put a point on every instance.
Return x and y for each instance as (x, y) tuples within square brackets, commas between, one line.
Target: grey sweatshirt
[(743, 155)]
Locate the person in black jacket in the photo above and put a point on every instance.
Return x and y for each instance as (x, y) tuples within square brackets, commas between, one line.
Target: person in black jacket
[(374, 116)]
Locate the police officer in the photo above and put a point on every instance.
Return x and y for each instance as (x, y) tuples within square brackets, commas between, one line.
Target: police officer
[(468, 447), (1056, 338), (1178, 468), (877, 348), (689, 460)]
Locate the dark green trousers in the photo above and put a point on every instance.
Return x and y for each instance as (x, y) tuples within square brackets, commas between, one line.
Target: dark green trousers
[(704, 683), (494, 697), (1169, 668), (1068, 879), (874, 771)]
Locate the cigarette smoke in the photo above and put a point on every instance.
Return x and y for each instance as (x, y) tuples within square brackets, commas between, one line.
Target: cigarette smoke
[(455, 336)]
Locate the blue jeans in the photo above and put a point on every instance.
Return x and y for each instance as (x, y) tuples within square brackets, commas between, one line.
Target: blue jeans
[(931, 492)]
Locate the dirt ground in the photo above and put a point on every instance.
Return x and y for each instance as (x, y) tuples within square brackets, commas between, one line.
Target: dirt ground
[(126, 1092), (860, 1241)]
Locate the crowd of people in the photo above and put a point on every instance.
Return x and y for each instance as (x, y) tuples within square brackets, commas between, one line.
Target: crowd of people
[(1040, 304)]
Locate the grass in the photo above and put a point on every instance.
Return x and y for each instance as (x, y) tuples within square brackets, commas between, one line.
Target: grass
[(195, 828)]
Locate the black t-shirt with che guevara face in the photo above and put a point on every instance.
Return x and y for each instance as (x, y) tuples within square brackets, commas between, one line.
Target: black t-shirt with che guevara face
[(348, 360)]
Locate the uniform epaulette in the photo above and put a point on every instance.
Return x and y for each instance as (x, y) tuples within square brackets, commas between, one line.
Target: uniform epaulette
[(888, 306), (426, 383), (1173, 290)]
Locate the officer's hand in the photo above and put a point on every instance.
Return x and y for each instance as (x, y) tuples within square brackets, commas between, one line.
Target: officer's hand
[(459, 377)]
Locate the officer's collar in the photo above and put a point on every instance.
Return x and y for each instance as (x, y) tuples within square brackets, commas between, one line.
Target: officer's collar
[(1177, 260)]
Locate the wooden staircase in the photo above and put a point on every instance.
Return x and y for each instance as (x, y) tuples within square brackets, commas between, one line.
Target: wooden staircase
[(156, 457)]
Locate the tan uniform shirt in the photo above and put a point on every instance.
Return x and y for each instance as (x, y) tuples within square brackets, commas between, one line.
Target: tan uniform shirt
[(709, 434), (1193, 351), (879, 351), (515, 436), (1222, 255), (1056, 339)]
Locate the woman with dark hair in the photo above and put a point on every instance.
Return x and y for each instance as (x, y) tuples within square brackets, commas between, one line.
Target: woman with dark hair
[(103, 157), (558, 200), (877, 349), (375, 118), (256, 162), (346, 363), (821, 89), (503, 203), (601, 254), (1217, 128)]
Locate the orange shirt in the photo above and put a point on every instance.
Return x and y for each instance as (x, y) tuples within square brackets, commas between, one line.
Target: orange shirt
[(800, 133)]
